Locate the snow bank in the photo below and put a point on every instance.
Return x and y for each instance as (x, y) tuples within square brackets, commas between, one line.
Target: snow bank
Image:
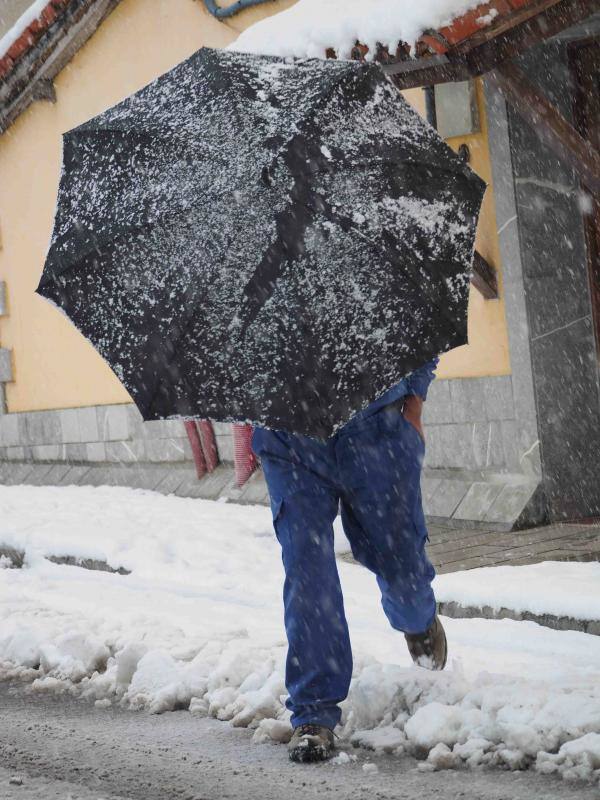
[(197, 625), (309, 27), (32, 13), (565, 589), (577, 759)]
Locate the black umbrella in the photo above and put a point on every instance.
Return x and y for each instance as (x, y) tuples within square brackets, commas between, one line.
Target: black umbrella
[(249, 238)]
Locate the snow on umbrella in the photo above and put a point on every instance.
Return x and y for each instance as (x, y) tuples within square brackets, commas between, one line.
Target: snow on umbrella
[(255, 239)]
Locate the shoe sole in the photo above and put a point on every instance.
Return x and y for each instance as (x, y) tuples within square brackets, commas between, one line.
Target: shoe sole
[(310, 755)]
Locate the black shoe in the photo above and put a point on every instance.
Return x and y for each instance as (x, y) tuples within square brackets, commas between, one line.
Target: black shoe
[(311, 743), (429, 649)]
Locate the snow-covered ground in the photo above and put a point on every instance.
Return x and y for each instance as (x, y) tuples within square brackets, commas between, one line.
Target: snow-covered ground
[(564, 589), (197, 624)]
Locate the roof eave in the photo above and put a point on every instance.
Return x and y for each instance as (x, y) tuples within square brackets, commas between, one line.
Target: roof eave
[(31, 78)]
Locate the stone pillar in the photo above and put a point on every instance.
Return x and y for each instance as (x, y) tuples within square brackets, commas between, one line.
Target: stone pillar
[(549, 312), (6, 373)]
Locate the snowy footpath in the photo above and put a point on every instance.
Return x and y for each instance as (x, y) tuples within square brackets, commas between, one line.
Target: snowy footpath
[(197, 625)]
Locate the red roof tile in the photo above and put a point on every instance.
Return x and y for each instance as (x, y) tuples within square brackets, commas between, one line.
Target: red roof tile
[(31, 35)]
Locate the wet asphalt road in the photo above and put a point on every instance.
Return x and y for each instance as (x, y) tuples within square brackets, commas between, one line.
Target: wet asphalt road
[(57, 748)]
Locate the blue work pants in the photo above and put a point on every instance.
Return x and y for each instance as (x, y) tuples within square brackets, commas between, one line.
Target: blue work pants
[(370, 470)]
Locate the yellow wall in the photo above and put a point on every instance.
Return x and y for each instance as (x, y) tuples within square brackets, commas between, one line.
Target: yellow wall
[(487, 351), (55, 367)]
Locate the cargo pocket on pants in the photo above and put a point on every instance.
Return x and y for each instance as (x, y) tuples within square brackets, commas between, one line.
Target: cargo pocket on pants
[(276, 511)]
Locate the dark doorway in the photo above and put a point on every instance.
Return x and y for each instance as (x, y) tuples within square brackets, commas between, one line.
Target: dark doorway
[(585, 65)]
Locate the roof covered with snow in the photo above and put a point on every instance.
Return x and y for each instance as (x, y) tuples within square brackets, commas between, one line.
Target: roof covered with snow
[(311, 28)]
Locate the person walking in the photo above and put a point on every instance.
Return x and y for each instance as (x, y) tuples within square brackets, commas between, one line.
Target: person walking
[(370, 469)]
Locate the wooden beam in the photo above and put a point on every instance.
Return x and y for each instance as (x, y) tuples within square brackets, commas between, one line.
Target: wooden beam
[(453, 54), (422, 73), (548, 123), (486, 49), (506, 24), (484, 277), (544, 25)]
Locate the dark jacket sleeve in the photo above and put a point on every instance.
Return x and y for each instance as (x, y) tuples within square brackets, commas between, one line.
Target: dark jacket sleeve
[(419, 380)]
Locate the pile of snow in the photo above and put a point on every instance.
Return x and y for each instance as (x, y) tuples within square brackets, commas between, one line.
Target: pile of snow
[(198, 625), (32, 13), (565, 589), (310, 27)]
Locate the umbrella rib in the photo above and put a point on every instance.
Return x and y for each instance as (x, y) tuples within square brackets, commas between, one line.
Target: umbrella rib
[(346, 224), (262, 284)]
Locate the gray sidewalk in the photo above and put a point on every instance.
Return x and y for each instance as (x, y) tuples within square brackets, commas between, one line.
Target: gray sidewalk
[(452, 549)]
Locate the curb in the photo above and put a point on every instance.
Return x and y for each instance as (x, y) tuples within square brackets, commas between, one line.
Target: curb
[(16, 559), (451, 609), (458, 611)]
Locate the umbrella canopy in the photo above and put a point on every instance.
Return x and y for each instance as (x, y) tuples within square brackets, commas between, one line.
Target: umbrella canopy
[(264, 240)]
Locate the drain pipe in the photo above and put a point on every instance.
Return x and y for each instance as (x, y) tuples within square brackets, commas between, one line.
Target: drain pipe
[(235, 8)]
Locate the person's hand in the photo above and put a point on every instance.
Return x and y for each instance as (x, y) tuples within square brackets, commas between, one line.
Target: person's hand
[(412, 411)]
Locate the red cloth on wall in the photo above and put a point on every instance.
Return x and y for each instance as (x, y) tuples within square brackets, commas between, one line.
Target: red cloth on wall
[(244, 459)]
